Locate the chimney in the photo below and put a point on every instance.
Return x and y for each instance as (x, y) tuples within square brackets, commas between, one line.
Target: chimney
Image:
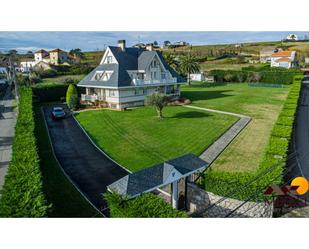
[(149, 47), (122, 44)]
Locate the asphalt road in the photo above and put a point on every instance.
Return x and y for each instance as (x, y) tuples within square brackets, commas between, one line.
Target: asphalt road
[(88, 168), (300, 142)]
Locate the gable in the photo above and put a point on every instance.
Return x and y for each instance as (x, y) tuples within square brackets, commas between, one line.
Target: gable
[(108, 57)]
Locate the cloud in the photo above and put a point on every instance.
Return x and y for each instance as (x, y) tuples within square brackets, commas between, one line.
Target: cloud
[(87, 41)]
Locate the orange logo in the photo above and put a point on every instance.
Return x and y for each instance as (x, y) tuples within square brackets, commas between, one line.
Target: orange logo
[(302, 184)]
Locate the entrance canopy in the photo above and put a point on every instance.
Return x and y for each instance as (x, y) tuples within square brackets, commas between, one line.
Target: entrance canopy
[(149, 179)]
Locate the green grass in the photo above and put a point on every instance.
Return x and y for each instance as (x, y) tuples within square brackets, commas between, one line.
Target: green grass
[(137, 138), (60, 79), (65, 199), (263, 104)]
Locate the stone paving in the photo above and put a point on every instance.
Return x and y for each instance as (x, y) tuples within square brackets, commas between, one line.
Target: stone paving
[(213, 151)]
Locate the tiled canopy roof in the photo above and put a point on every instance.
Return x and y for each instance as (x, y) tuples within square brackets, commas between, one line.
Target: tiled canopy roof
[(159, 175)]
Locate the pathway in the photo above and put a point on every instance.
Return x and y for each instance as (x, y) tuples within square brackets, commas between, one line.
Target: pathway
[(214, 150), (7, 129)]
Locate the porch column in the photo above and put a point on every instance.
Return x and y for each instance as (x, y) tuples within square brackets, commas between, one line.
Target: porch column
[(175, 194)]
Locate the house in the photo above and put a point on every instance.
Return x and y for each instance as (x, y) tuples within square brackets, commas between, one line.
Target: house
[(58, 56), (285, 59), (201, 77), (41, 55), (265, 54), (26, 65), (126, 75)]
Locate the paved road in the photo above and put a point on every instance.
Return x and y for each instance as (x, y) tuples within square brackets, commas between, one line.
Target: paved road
[(7, 129), (87, 167), (301, 137)]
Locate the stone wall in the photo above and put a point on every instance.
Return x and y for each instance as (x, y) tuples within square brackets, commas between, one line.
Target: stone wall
[(205, 204)]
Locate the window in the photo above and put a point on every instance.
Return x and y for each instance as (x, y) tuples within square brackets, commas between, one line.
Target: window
[(102, 75), (109, 59), (112, 93), (154, 75)]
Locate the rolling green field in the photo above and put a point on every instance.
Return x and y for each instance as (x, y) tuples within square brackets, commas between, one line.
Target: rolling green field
[(62, 78), (262, 104), (137, 138)]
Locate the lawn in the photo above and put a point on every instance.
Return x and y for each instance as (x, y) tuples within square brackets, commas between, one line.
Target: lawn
[(65, 199), (263, 104), (137, 138), (62, 78)]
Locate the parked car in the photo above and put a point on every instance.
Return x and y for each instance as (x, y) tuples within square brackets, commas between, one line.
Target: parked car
[(58, 113)]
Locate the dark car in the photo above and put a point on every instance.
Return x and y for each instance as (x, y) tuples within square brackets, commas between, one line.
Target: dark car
[(58, 113)]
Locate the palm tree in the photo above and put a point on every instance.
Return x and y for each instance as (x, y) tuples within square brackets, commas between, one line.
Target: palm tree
[(171, 60), (188, 65)]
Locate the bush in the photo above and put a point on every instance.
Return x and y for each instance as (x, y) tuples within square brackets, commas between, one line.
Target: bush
[(145, 206), (22, 194), (72, 97)]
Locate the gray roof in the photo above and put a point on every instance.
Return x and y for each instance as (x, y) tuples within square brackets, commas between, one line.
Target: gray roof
[(159, 175), (130, 59)]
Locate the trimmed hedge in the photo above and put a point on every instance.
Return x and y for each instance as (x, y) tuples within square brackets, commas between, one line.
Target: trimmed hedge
[(22, 194), (145, 206), (46, 92), (269, 75), (222, 182)]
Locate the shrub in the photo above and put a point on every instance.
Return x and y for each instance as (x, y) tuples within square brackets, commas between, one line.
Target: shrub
[(145, 206), (72, 97), (22, 194)]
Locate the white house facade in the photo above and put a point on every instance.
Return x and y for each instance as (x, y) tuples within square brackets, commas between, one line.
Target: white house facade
[(285, 59), (126, 75)]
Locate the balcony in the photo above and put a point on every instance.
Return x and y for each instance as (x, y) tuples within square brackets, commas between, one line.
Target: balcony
[(139, 82), (91, 98)]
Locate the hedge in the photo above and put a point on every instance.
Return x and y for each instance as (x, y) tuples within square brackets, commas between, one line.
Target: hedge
[(22, 194), (145, 206), (269, 75), (46, 92), (222, 182)]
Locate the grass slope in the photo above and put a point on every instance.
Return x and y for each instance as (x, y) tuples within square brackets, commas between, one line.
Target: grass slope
[(65, 199), (263, 104), (137, 138)]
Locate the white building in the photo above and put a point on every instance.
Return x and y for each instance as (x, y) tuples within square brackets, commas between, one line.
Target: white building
[(27, 65), (126, 75), (285, 59), (201, 77)]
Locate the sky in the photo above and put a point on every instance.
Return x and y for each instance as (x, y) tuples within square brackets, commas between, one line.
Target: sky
[(92, 41)]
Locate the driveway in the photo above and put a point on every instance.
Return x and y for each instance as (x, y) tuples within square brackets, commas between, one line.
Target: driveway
[(7, 130), (87, 166)]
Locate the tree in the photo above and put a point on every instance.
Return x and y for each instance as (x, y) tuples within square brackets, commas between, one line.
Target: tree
[(188, 65), (72, 97), (171, 60), (255, 77), (77, 53), (158, 100)]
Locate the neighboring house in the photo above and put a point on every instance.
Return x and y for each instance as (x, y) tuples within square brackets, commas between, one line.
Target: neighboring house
[(201, 77), (266, 53), (41, 55), (307, 60), (58, 56), (26, 65), (126, 75), (285, 59)]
